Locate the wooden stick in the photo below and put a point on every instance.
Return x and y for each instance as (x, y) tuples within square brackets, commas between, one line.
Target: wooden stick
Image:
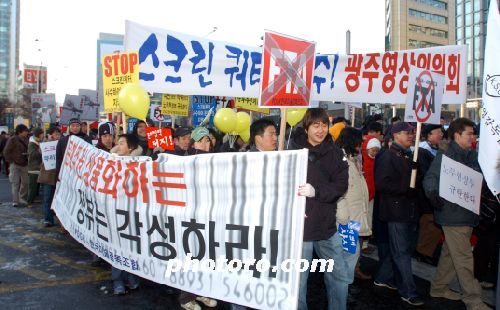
[(415, 155), (173, 121), (282, 130), (124, 123), (353, 115), (117, 127)]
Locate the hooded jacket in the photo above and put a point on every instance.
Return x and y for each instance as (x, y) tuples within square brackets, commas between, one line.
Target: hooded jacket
[(327, 172), (451, 214)]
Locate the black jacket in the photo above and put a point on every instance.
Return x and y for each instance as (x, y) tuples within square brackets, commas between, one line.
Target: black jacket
[(392, 182), (328, 173), (61, 148), (451, 214), (425, 159)]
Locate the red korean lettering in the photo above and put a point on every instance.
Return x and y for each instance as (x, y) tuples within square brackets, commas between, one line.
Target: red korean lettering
[(111, 177), (389, 67), (164, 186), (69, 149), (96, 172), (424, 61), (370, 75), (453, 73), (354, 63), (438, 63)]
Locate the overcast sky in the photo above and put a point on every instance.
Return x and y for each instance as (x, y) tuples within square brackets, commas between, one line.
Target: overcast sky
[(67, 30)]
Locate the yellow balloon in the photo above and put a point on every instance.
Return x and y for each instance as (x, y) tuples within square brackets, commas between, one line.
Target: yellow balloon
[(242, 122), (134, 101), (294, 116), (245, 135), (225, 120)]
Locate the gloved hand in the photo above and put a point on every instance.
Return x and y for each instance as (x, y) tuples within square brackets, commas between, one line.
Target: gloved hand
[(307, 190), (411, 192), (414, 165), (436, 201)]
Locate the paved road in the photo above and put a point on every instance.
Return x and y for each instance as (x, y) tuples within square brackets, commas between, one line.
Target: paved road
[(43, 268)]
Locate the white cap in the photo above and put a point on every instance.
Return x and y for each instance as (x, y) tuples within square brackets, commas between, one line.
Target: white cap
[(374, 142)]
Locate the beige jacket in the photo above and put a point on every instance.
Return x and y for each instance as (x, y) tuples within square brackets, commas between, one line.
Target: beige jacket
[(354, 204)]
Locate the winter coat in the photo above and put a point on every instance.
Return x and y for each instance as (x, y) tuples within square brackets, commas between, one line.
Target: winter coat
[(34, 156), (425, 159), (451, 214), (392, 182), (61, 148), (354, 204), (48, 177), (16, 151), (136, 152), (327, 172), (368, 168)]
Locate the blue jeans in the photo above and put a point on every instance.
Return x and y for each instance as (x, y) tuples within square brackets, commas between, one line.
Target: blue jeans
[(337, 282), (395, 267), (48, 196)]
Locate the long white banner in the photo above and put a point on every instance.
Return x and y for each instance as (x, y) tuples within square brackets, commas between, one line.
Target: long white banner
[(489, 145), (139, 214), (176, 63)]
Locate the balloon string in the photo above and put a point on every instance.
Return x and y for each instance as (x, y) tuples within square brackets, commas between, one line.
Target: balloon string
[(232, 139), (289, 135)]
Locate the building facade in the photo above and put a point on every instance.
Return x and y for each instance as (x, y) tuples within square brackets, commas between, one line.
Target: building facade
[(9, 48), (414, 24), (471, 18)]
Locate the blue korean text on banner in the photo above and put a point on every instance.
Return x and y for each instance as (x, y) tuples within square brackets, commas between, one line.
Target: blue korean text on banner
[(349, 235), (200, 106), (131, 123)]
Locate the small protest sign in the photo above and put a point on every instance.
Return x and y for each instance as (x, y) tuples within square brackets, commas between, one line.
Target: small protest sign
[(460, 184), (49, 154), (424, 97), (349, 234), (160, 137)]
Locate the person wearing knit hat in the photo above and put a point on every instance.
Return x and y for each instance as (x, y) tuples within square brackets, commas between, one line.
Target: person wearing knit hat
[(106, 133), (373, 146), (336, 129)]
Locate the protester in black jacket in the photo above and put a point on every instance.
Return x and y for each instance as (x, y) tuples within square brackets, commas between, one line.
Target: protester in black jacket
[(327, 181), (398, 207), (74, 130)]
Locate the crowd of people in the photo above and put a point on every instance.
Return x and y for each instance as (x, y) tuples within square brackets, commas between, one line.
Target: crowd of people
[(354, 174)]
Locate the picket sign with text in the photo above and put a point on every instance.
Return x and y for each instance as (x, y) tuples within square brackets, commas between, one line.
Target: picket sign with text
[(49, 154), (160, 137), (137, 214), (460, 184), (176, 63)]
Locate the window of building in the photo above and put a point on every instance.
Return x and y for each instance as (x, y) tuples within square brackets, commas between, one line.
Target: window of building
[(460, 21), (420, 44), (468, 32), (434, 3), (477, 29), (459, 8), (459, 32), (428, 16), (477, 17), (468, 19), (468, 7)]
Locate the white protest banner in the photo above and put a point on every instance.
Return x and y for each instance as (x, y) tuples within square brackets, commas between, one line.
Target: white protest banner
[(424, 97), (90, 105), (49, 154), (72, 108), (176, 63), (44, 109), (287, 70), (489, 145), (140, 215), (460, 184)]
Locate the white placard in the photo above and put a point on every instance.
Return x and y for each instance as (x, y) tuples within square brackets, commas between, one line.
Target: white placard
[(424, 97), (460, 184), (49, 154)]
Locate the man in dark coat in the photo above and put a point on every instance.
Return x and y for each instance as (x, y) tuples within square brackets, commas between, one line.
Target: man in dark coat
[(16, 154), (74, 130), (327, 181), (457, 222), (398, 207)]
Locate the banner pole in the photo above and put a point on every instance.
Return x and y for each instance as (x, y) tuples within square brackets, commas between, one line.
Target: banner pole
[(118, 117), (353, 115), (282, 129), (415, 155), (124, 123), (173, 121)]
